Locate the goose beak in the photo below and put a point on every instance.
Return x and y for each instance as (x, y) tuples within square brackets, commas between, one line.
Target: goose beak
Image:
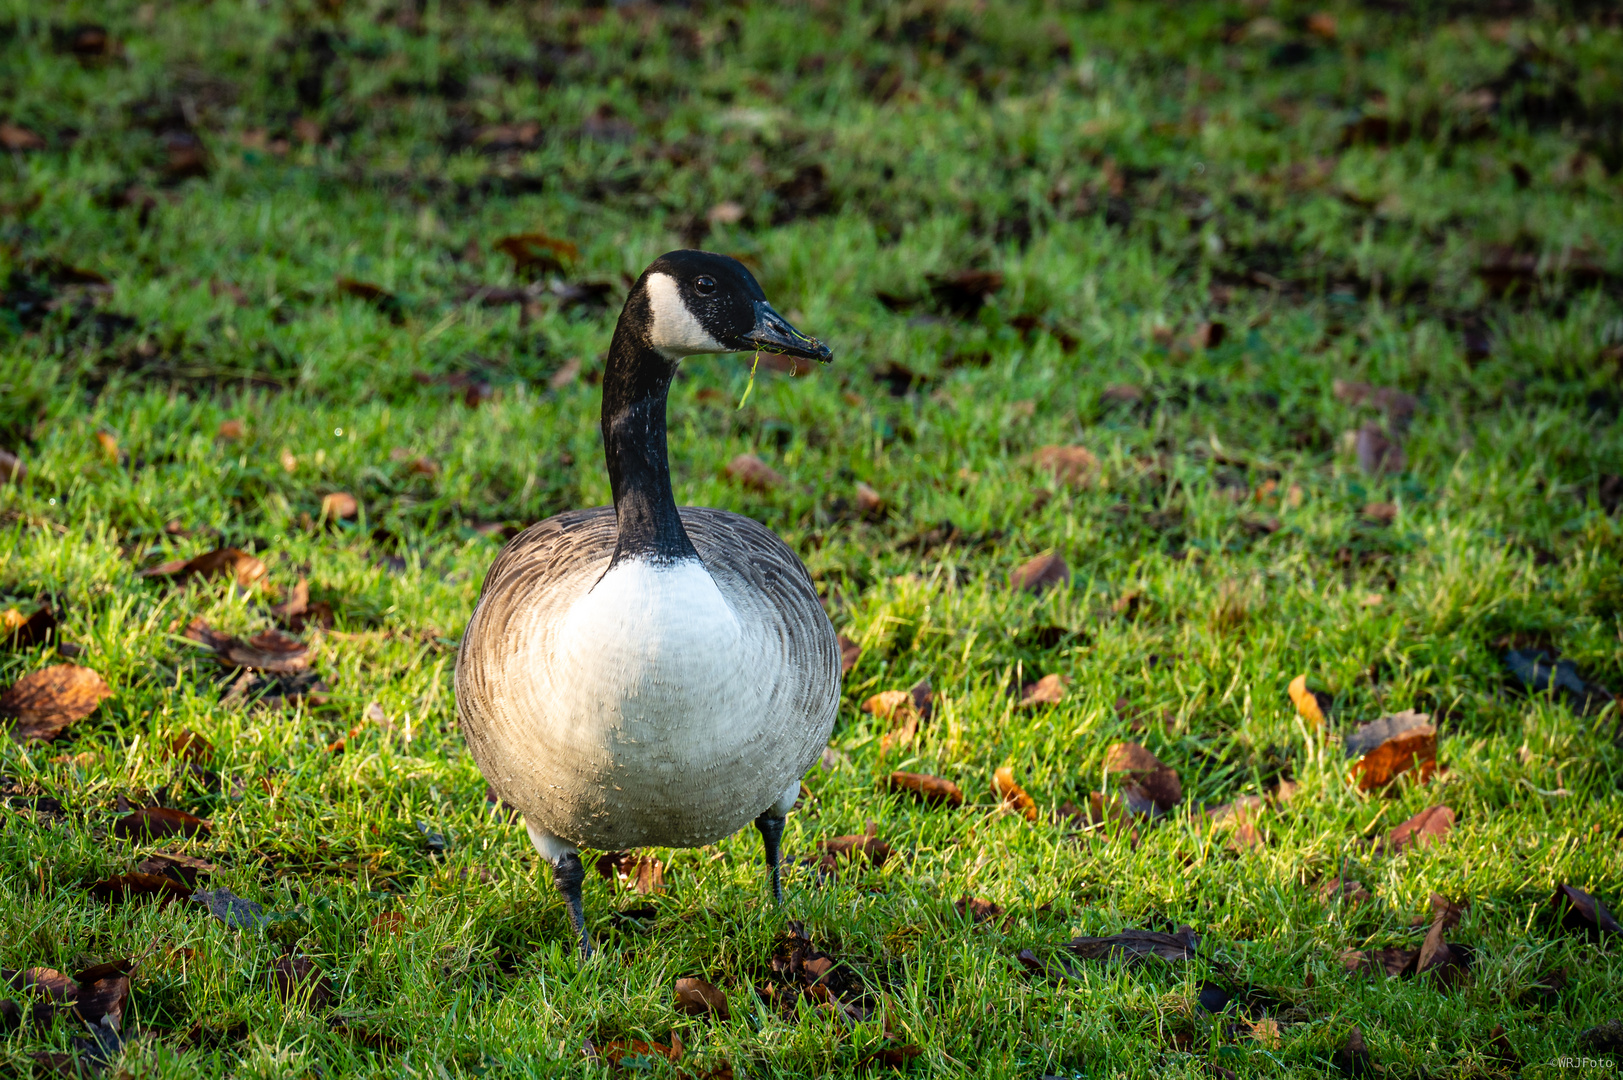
[(772, 333)]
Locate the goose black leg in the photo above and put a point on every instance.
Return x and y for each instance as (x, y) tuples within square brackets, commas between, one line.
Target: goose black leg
[(569, 875), (771, 826)]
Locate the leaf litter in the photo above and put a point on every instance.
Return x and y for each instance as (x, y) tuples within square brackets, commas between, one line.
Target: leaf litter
[(46, 703)]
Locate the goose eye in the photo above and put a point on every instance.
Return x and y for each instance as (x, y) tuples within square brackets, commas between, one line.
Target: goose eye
[(705, 284)]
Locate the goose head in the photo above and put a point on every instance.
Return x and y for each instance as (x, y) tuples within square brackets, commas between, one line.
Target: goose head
[(694, 302)]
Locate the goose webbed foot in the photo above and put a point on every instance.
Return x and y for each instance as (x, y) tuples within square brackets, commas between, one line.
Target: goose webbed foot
[(569, 875), (771, 826)]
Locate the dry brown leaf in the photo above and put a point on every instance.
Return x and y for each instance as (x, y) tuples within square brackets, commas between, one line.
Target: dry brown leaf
[(1429, 826), (1400, 406), (1445, 911), (1380, 513), (725, 213), (1446, 963), (888, 704), (697, 997), (182, 868), (867, 843), (189, 746), (977, 909), (12, 469), (1379, 452), (1307, 703), (928, 789), (1582, 913), (1347, 892), (869, 501), (45, 703), (142, 885), (1073, 466), (220, 562), (537, 250), (640, 873), (1048, 690), (1041, 573), (339, 505), (1012, 795), (850, 652), (295, 977), (1384, 749), (156, 821), (18, 631), (751, 472), (1150, 787), (1135, 946), (230, 430), (18, 139)]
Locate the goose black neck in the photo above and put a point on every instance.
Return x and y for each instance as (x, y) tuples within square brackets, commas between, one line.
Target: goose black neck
[(636, 381)]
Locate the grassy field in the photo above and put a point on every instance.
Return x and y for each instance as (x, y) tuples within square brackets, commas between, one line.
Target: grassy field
[(1331, 296)]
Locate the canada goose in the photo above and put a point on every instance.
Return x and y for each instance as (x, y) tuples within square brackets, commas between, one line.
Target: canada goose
[(642, 675)]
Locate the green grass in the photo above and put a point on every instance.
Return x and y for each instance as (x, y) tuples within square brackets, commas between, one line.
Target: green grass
[(1132, 171)]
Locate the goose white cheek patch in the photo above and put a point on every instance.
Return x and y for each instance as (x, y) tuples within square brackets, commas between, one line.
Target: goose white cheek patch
[(675, 331)]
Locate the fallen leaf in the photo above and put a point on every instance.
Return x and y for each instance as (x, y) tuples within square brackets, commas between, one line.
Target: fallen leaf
[(725, 213), (1150, 787), (269, 650), (750, 472), (1445, 911), (1012, 795), (536, 251), (231, 909), (1401, 407), (1265, 1031), (1581, 913), (43, 980), (339, 505), (694, 996), (867, 843), (1353, 1059), (1429, 826), (976, 909), (1536, 672), (1307, 703), (869, 501), (1040, 574), (1048, 690), (297, 612), (109, 445), (1500, 1050), (1134, 946), (1122, 394), (1378, 452), (1322, 24), (640, 873), (156, 821), (104, 991), (634, 1055), (892, 1057), (296, 978), (933, 790), (1073, 466), (1603, 1038), (26, 632), (220, 562), (230, 431), (1386, 748), (1391, 962), (47, 702), (1446, 963), (12, 469), (190, 747), (567, 373), (141, 885), (1347, 892), (184, 869), (18, 139), (1057, 968), (1380, 513), (966, 292), (850, 652)]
